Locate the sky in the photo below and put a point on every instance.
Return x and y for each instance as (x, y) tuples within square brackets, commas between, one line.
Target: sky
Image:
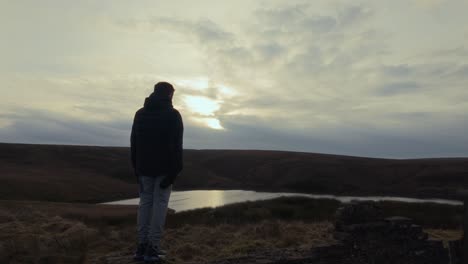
[(363, 78)]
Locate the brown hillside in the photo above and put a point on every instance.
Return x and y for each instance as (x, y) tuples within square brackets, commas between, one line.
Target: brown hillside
[(92, 174)]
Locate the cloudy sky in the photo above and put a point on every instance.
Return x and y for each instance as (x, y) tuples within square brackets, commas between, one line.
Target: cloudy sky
[(365, 78)]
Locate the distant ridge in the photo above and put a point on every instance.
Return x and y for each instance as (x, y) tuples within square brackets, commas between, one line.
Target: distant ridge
[(66, 173)]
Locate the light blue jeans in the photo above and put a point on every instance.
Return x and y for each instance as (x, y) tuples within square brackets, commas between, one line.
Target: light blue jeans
[(152, 210)]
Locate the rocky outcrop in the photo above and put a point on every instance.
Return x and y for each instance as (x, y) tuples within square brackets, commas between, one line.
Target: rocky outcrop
[(364, 236), (368, 237)]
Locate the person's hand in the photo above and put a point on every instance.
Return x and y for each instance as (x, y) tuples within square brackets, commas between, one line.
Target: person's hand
[(166, 182)]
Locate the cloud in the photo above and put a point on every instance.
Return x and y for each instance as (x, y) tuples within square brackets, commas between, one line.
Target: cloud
[(353, 14), (396, 70), (322, 76), (252, 132), (36, 126), (204, 30), (429, 3), (321, 24), (270, 51), (316, 64), (398, 88), (283, 16), (462, 71)]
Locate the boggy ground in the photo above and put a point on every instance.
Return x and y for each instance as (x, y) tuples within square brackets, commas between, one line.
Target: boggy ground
[(285, 229)]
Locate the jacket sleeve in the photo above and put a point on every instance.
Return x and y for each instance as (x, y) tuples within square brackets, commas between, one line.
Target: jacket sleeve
[(133, 144), (178, 143)]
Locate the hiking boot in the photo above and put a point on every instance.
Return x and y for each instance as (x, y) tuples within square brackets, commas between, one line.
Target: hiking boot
[(153, 254), (140, 252)]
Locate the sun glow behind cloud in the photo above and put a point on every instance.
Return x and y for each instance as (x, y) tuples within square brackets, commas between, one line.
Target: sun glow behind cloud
[(210, 122), (202, 97), (201, 105), (204, 107)]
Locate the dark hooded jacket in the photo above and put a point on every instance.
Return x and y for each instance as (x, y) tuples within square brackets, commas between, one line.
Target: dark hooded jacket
[(157, 138)]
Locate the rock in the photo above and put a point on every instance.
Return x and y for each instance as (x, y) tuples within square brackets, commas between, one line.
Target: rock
[(399, 220), (367, 237), (357, 213)]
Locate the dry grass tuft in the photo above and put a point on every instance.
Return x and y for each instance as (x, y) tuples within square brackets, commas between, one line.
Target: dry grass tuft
[(35, 238), (205, 243)]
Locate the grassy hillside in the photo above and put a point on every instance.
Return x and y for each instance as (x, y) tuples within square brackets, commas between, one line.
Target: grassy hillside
[(92, 174)]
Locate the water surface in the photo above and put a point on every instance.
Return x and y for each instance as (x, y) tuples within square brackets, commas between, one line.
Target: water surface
[(187, 200)]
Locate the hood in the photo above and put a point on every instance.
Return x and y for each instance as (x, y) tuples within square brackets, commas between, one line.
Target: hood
[(154, 102)]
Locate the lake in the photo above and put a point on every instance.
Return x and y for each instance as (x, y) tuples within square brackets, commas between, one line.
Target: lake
[(187, 200)]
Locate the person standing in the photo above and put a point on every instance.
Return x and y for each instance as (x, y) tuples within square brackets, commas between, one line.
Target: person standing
[(156, 154)]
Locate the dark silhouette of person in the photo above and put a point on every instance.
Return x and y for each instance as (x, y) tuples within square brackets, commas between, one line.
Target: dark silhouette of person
[(156, 155)]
